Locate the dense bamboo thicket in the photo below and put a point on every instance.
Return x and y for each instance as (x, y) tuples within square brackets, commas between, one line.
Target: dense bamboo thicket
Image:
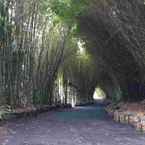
[(39, 59), (54, 51), (116, 30), (32, 43), (114, 34)]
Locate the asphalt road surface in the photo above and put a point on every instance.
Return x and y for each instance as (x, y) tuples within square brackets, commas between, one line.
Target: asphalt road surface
[(89, 125)]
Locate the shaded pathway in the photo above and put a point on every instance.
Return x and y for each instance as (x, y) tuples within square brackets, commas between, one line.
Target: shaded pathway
[(80, 126)]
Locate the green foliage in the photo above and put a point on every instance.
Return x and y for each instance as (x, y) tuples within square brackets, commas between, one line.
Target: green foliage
[(69, 10), (2, 19), (80, 67), (40, 97), (5, 27)]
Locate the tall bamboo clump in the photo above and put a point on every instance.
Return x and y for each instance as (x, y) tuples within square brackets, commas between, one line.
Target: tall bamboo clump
[(31, 49)]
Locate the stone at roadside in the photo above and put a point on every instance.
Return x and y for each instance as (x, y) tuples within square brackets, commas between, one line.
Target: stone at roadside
[(129, 113)]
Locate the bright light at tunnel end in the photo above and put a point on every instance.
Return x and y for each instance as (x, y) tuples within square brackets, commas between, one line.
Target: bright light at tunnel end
[(99, 94)]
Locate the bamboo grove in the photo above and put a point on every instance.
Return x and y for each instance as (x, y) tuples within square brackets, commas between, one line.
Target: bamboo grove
[(32, 47), (59, 51), (37, 48)]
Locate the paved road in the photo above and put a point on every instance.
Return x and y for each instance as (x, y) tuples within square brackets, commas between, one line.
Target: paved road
[(80, 126)]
